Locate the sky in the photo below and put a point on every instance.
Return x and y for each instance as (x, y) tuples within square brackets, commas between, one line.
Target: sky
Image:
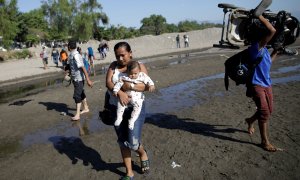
[(129, 13)]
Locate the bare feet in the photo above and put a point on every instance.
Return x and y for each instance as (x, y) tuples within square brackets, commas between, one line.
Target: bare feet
[(84, 111), (75, 118), (251, 129), (270, 148)]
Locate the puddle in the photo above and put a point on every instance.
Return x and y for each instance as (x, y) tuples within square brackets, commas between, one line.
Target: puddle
[(66, 128), (179, 96)]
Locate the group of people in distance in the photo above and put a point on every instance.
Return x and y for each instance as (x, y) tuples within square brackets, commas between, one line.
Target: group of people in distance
[(185, 40), (126, 80), (103, 48), (62, 56)]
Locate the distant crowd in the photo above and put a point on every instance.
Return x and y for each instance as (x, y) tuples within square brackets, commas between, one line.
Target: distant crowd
[(62, 56)]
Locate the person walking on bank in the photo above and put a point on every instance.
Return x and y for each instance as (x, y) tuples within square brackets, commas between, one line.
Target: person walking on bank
[(91, 57), (79, 75), (55, 56), (129, 140), (186, 40), (260, 88), (178, 41), (44, 56)]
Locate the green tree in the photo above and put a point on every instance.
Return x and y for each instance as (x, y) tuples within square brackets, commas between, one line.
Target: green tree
[(33, 27), (72, 18), (171, 28), (155, 24), (185, 26), (88, 20), (59, 14), (8, 21)]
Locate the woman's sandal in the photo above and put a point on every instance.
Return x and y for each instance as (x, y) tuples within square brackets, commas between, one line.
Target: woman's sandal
[(127, 178), (145, 165)]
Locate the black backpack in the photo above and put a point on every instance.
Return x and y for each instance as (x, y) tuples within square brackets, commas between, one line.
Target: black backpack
[(240, 68)]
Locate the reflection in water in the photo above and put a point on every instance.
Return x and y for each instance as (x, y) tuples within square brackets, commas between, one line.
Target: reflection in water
[(183, 55), (180, 61), (90, 124), (83, 129)]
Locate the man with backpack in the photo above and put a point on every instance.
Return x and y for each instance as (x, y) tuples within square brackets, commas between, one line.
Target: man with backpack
[(79, 75), (260, 87)]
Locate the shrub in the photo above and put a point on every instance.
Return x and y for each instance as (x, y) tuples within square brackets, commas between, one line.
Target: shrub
[(22, 54)]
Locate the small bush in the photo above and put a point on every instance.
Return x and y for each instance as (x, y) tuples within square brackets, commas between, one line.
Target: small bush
[(21, 54)]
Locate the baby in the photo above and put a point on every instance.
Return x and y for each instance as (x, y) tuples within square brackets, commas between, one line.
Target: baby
[(134, 75)]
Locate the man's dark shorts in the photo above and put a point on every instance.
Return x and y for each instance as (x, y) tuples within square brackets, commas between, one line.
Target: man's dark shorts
[(79, 94)]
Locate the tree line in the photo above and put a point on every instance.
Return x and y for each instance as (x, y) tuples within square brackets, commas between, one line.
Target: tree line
[(61, 20)]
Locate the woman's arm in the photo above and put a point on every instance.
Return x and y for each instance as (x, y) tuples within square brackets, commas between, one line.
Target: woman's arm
[(109, 75)]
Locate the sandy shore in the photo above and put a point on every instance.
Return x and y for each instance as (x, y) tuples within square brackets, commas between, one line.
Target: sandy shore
[(191, 120)]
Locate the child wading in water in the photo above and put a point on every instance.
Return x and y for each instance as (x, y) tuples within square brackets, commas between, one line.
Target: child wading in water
[(134, 75)]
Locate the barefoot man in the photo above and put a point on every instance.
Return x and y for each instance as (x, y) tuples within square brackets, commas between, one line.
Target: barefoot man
[(79, 74), (261, 85)]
